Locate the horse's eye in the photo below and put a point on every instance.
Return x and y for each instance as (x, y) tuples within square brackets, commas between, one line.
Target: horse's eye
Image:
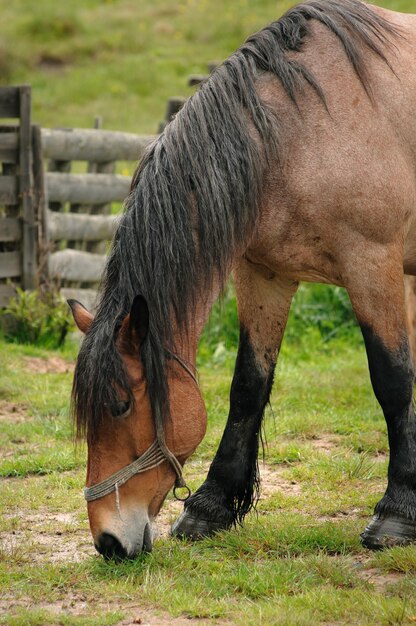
[(120, 409)]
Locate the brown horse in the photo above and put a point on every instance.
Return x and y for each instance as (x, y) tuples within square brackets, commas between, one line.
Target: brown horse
[(295, 161)]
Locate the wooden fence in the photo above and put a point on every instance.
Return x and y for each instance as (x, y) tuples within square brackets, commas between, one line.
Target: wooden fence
[(77, 218), (55, 223), (19, 192)]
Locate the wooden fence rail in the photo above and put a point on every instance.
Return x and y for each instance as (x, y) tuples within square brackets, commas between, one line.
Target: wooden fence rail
[(76, 202), (80, 227), (79, 144), (87, 188), (76, 265)]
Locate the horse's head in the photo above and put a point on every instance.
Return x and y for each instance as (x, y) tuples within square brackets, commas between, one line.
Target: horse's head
[(123, 499)]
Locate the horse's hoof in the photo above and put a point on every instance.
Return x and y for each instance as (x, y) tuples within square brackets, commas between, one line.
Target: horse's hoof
[(387, 532), (191, 526)]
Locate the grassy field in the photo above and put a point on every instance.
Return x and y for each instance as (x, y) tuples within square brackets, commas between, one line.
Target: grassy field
[(297, 561), (121, 59)]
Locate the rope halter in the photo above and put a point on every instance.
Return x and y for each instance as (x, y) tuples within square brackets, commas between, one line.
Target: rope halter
[(154, 456)]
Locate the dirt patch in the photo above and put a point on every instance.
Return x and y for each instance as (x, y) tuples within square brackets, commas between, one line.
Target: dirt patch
[(169, 513), (55, 537), (77, 605), (51, 63), (349, 514), (12, 412), (273, 482), (148, 618), (325, 442), (378, 579), (53, 365)]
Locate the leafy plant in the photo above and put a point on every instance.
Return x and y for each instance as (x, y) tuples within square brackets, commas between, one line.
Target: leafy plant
[(38, 317), (323, 307), (319, 312)]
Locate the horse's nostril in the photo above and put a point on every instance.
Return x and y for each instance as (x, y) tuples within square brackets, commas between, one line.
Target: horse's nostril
[(110, 547), (147, 539)]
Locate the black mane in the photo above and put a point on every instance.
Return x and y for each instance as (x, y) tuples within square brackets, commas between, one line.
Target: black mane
[(195, 199)]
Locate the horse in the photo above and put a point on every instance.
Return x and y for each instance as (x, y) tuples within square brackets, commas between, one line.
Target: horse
[(295, 161)]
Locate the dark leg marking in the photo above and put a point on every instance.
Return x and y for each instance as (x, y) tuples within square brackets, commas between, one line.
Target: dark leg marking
[(232, 485), (392, 378)]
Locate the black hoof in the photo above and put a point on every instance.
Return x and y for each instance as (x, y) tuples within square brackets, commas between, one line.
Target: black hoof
[(191, 526), (388, 532)]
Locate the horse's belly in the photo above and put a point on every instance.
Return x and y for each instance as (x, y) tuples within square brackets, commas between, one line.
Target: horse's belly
[(298, 259)]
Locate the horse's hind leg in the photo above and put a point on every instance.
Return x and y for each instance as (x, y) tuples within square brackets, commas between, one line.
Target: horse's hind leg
[(377, 296), (232, 483)]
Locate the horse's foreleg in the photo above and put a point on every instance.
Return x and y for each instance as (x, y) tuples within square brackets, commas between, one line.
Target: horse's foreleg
[(378, 301), (231, 487)]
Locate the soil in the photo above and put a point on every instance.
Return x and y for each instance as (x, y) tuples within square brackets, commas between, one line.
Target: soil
[(13, 412), (326, 442), (52, 365), (380, 580)]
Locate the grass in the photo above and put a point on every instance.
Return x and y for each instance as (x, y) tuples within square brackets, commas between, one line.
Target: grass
[(297, 560), (120, 59)]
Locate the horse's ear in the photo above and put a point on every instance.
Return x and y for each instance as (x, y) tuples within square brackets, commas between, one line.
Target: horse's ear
[(82, 317), (135, 325), (139, 318)]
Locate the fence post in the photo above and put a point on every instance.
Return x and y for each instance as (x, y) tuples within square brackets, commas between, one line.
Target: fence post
[(29, 261)]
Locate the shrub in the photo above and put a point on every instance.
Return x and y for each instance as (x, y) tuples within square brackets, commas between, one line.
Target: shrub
[(38, 317), (322, 307), (323, 311)]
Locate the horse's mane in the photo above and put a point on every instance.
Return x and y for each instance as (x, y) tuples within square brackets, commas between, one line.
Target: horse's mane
[(195, 199)]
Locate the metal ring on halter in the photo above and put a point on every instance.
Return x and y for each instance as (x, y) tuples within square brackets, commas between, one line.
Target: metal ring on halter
[(175, 495)]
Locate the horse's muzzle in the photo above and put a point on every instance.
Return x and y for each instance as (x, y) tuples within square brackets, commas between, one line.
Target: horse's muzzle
[(111, 547), (121, 535)]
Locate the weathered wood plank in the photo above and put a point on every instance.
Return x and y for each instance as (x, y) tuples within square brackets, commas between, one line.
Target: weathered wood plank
[(10, 229), (9, 143), (9, 189), (75, 265), (10, 102), (80, 226), (29, 243), (6, 292), (100, 146), (39, 190), (87, 297), (10, 264), (87, 188)]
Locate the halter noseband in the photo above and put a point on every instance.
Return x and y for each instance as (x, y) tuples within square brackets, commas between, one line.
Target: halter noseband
[(154, 456)]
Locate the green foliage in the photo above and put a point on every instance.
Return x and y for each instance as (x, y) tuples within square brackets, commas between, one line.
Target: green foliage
[(38, 317), (319, 313), (220, 336), (323, 307)]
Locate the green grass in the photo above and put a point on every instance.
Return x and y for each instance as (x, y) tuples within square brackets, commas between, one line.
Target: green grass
[(120, 59), (297, 560)]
